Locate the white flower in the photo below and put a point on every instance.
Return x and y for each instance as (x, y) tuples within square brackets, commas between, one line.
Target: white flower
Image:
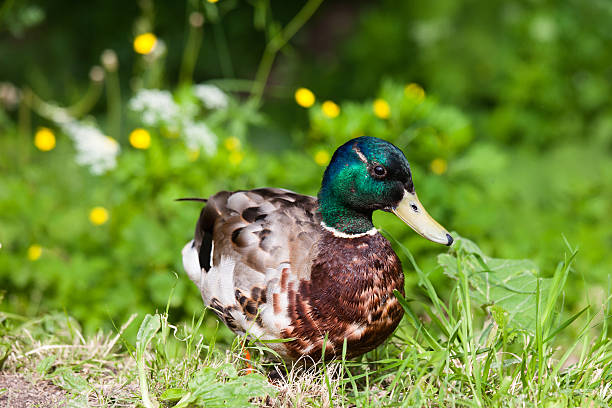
[(156, 106), (198, 136), (94, 149), (211, 96)]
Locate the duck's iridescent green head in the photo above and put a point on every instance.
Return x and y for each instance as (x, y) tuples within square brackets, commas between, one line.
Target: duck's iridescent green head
[(367, 174)]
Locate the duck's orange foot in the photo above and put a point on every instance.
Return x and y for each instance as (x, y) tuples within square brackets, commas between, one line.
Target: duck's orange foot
[(247, 358)]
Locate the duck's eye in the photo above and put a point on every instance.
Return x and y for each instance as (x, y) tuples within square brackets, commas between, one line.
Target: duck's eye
[(380, 171)]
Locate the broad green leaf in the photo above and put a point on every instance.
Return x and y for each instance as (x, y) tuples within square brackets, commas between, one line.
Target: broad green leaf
[(172, 394), (209, 389), (68, 380), (505, 287), (149, 326), (45, 365)]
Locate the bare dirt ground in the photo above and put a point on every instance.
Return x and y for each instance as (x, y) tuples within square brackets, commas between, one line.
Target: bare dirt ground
[(17, 391)]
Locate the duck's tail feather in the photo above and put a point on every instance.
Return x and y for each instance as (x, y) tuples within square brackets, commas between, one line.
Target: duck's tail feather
[(191, 263), (203, 200)]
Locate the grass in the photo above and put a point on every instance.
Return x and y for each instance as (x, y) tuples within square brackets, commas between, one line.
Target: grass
[(451, 350)]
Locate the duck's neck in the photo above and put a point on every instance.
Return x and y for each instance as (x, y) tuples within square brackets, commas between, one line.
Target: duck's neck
[(345, 220)]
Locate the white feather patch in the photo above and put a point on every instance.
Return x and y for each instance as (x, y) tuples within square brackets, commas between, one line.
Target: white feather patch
[(219, 280), (341, 234), (191, 264)]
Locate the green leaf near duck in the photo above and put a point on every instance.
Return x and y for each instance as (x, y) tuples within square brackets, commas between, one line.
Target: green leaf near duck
[(506, 288), (220, 387)]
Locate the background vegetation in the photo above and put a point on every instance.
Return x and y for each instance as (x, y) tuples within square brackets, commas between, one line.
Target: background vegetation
[(503, 109)]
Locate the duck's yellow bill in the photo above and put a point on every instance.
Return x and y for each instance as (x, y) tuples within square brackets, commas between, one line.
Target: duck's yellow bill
[(412, 212)]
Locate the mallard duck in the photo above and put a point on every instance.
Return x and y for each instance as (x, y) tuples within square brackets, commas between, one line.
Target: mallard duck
[(275, 264)]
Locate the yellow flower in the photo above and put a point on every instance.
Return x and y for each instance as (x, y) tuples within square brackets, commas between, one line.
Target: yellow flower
[(235, 157), (304, 97), (34, 252), (321, 157), (438, 166), (98, 215), (414, 91), (381, 108), (213, 1), (232, 143), (44, 139), (193, 155), (144, 43), (140, 138), (330, 109)]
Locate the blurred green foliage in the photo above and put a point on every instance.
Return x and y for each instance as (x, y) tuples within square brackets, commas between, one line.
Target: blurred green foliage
[(509, 133)]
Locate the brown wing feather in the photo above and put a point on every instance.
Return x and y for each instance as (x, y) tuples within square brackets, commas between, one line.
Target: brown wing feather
[(259, 229)]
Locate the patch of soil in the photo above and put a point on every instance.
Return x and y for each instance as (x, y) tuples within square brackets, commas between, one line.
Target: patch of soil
[(16, 391)]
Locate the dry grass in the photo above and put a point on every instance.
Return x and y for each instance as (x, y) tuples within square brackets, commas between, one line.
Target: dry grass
[(53, 349)]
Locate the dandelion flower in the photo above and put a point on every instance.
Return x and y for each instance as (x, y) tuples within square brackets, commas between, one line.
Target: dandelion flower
[(235, 157), (213, 1), (438, 166), (414, 91), (96, 73), (196, 19), (34, 252), (304, 97), (330, 109), (144, 43), (321, 157), (98, 215), (381, 108), (9, 95), (44, 139), (232, 143), (140, 138), (109, 60)]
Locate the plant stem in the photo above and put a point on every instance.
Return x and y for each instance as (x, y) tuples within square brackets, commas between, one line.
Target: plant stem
[(60, 114), (225, 59), (144, 389), (25, 125), (113, 101), (276, 44), (539, 342), (89, 100), (469, 350), (192, 48)]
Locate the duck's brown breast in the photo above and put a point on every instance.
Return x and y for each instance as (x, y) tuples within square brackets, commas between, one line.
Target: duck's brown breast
[(349, 296)]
